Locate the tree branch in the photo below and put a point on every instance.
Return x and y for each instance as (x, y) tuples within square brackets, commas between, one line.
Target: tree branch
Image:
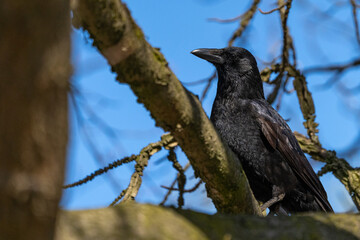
[(174, 108), (273, 10), (341, 169), (245, 20), (354, 7), (154, 222), (334, 67)]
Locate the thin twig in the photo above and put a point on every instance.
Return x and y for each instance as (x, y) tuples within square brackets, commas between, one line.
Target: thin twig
[(173, 184), (273, 10), (245, 20), (212, 76), (181, 179), (273, 95), (210, 80), (292, 48), (331, 68), (100, 171), (226, 20), (185, 190), (284, 18), (330, 82), (118, 198), (356, 23)]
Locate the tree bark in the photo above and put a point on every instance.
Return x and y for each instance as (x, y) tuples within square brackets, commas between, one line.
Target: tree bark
[(175, 109), (141, 221), (34, 73)]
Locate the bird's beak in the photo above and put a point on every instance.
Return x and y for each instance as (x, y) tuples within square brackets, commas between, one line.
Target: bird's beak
[(209, 54)]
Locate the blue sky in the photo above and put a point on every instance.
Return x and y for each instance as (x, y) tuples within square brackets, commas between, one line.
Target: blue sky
[(118, 126)]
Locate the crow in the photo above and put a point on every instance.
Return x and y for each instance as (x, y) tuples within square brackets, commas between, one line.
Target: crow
[(279, 174)]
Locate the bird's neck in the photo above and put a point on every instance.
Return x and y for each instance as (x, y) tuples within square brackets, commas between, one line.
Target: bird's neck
[(246, 85)]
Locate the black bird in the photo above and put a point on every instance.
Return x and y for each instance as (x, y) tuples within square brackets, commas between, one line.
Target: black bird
[(277, 169)]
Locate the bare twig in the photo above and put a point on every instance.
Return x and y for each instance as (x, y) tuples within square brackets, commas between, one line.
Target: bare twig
[(226, 20), (245, 20), (98, 172), (292, 48), (277, 82), (212, 76), (160, 160), (282, 93), (118, 198), (185, 190), (273, 10), (181, 178), (354, 7), (338, 70), (285, 84), (334, 67), (284, 14), (210, 80), (329, 83), (266, 73), (172, 185)]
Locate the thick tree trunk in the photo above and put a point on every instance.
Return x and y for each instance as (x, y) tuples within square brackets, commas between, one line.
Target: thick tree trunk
[(34, 73)]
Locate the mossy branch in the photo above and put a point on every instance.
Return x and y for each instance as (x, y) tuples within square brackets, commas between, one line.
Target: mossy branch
[(341, 169), (306, 104)]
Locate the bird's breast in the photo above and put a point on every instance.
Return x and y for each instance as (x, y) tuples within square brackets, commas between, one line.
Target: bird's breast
[(237, 127)]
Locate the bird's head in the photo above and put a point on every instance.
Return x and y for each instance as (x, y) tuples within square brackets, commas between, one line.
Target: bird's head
[(237, 70), (235, 58)]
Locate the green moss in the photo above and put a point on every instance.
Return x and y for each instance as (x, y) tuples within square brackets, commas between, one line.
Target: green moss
[(106, 23), (138, 33), (159, 57)]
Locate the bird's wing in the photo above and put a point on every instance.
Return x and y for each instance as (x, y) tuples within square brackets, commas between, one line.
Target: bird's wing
[(281, 138)]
